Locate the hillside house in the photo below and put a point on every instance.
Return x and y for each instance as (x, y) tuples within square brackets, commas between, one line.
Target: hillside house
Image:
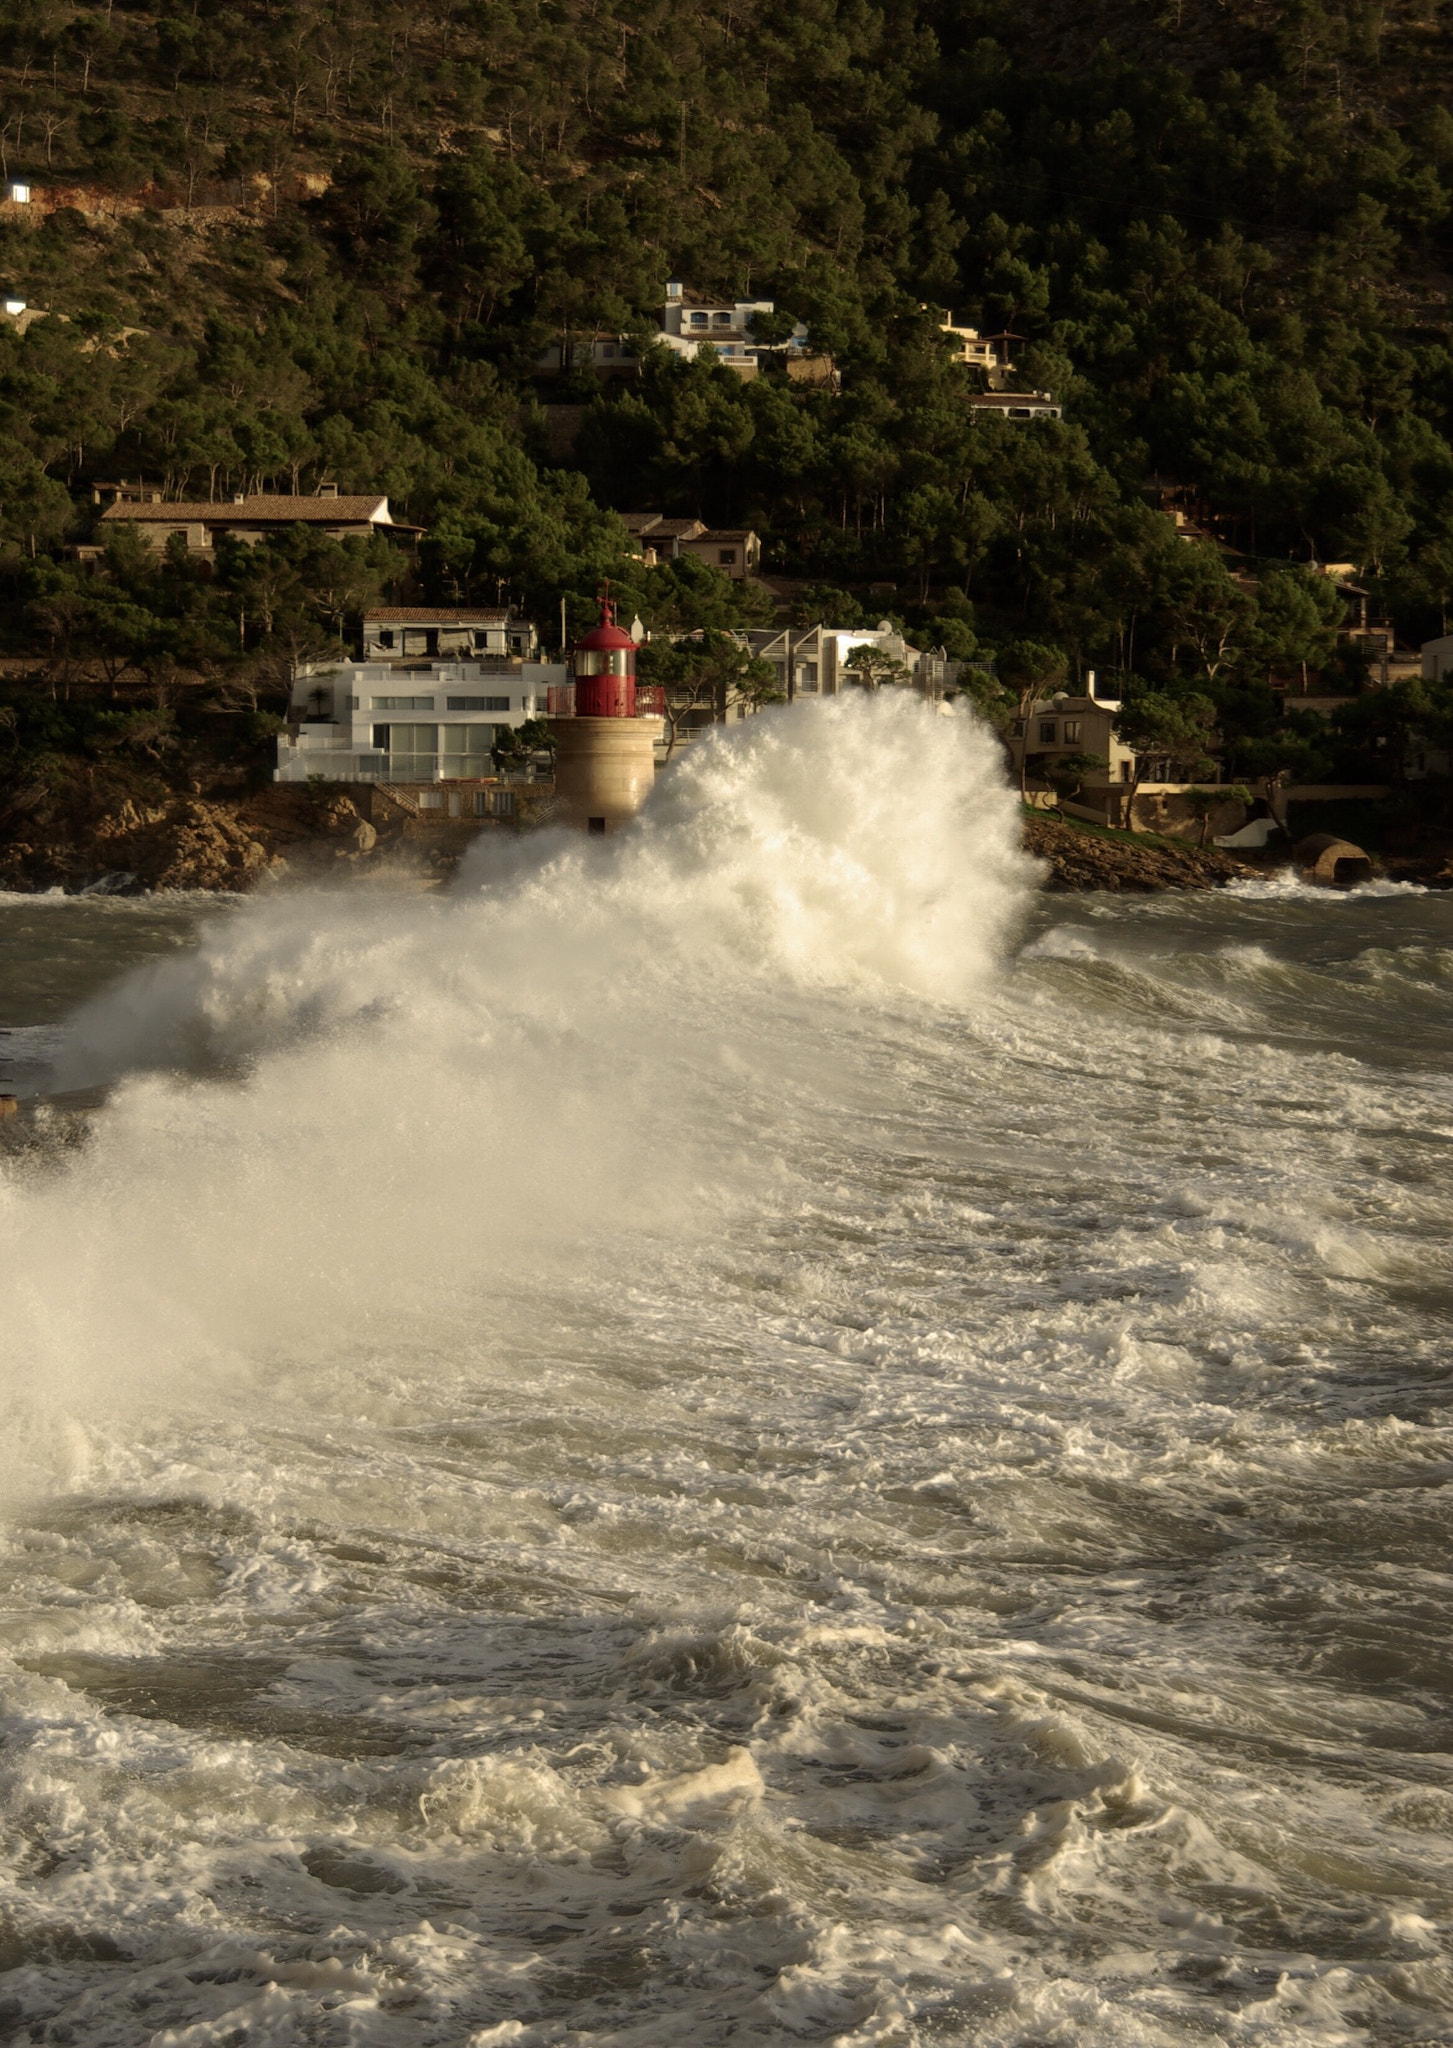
[(987, 352), (412, 714), (736, 551), (1017, 405), (612, 355), (404, 633), (1084, 723), (688, 323), (201, 524), (813, 661)]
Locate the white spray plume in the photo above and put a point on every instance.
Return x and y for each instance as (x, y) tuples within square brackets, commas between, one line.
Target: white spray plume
[(425, 1093)]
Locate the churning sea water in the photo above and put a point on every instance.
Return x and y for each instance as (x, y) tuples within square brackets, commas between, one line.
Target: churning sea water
[(748, 1434)]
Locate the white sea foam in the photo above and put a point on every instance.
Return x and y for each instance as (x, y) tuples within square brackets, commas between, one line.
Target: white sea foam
[(662, 1449)]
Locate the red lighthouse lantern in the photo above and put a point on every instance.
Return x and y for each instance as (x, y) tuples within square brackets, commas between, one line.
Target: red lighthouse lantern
[(604, 667)]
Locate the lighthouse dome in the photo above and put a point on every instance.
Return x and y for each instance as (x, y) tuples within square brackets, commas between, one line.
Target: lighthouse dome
[(604, 665), (607, 637)]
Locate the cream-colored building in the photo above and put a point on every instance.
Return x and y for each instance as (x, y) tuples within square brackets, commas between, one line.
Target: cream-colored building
[(1084, 723), (1067, 724), (986, 352), (735, 550), (200, 523)]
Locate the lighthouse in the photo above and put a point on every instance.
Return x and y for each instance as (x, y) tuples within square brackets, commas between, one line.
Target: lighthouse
[(605, 760)]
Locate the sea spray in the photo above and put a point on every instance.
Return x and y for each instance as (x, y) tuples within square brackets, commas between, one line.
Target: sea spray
[(419, 1097)]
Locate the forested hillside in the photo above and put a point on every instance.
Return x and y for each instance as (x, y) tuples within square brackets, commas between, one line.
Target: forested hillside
[(303, 241)]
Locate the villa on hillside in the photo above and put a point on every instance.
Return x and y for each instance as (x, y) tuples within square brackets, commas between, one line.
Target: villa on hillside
[(200, 524), (735, 550), (986, 352), (813, 661), (688, 324), (484, 632), (1017, 405)]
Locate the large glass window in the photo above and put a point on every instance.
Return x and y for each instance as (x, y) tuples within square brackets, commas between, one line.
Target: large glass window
[(1047, 731), (464, 749), (478, 704), (403, 703), (413, 751)]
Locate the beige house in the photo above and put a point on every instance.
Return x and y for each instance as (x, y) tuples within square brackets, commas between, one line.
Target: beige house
[(735, 550), (1067, 724), (986, 352), (201, 524), (1064, 724)]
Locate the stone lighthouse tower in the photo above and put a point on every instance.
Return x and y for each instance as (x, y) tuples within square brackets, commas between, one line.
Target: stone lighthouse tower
[(605, 760)]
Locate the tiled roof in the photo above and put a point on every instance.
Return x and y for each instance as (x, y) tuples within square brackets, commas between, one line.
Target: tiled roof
[(433, 615), (653, 526), (281, 510), (715, 533)]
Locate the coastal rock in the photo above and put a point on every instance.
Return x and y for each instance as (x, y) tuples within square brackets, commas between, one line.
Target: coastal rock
[(1086, 859)]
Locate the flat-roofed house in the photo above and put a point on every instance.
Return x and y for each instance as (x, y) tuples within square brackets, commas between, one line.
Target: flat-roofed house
[(437, 687), (200, 524), (813, 661), (1017, 405), (403, 632)]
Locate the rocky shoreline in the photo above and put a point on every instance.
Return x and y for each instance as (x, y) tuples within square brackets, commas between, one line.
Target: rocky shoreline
[(1081, 858), (232, 845)]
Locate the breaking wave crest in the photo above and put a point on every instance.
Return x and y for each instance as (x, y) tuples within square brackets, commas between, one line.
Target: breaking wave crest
[(422, 1094)]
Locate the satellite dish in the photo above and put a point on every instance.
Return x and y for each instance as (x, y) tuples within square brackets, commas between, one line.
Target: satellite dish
[(885, 625)]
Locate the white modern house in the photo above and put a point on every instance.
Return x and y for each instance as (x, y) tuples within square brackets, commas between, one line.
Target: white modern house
[(813, 661), (986, 352), (434, 692), (688, 323), (1437, 659)]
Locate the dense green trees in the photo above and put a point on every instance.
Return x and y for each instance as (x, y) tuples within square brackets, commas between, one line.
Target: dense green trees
[(308, 241)]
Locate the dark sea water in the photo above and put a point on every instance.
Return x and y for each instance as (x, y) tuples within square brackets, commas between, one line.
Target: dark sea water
[(755, 1434)]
